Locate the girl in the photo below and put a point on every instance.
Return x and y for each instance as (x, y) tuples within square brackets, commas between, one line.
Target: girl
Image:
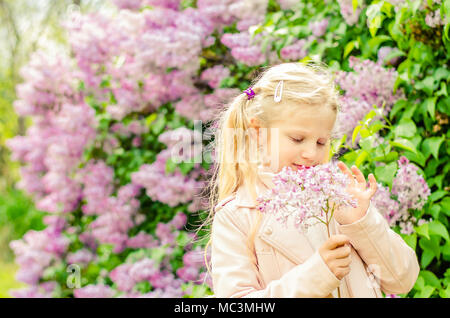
[(287, 118)]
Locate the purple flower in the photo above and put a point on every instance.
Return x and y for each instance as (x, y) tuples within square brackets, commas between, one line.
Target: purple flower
[(94, 291)]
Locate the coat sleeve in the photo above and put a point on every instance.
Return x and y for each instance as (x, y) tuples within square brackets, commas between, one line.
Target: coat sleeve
[(390, 259), (234, 275)]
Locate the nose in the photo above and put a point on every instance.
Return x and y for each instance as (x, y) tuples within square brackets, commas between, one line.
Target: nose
[(308, 153)]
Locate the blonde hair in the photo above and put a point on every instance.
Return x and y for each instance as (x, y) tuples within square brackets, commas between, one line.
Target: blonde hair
[(304, 84)]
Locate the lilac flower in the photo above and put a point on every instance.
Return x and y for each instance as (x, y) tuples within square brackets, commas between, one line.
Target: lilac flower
[(294, 51), (306, 195), (369, 84), (94, 291), (143, 270), (350, 16), (122, 278), (82, 256), (215, 75), (409, 192), (142, 240), (319, 28), (187, 273)]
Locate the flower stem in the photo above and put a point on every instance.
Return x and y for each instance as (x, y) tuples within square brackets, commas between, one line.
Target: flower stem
[(328, 231)]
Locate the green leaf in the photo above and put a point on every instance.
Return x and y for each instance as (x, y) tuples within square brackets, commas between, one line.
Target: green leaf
[(403, 144), (430, 278), (415, 157), (409, 112), (445, 293), (441, 73), (386, 173), (349, 48), (391, 156), (158, 125), (426, 259), (434, 211), (399, 105), (185, 167), (361, 158), (431, 105), (436, 195), (445, 205), (428, 85), (355, 133), (431, 146), (426, 292), (422, 230), (431, 245), (170, 166), (405, 128), (375, 42), (437, 228), (411, 240)]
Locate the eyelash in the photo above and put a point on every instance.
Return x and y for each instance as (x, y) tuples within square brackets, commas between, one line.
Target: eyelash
[(298, 141)]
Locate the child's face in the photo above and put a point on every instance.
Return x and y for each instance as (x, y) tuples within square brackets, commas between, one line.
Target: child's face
[(302, 138)]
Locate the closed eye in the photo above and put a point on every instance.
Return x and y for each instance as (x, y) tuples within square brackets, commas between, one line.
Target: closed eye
[(300, 140), (296, 140)]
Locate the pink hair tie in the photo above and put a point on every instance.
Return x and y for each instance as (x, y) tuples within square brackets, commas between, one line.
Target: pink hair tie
[(250, 93)]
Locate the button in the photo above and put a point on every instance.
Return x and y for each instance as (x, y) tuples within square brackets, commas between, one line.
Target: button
[(268, 231)]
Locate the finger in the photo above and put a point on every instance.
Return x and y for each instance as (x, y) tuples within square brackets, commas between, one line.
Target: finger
[(343, 262), (337, 240), (345, 170), (373, 184), (341, 252), (359, 176)]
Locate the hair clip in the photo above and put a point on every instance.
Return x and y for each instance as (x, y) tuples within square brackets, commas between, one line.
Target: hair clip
[(250, 93), (277, 98)]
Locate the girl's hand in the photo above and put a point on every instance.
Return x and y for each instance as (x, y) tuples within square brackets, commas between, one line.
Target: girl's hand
[(358, 189), (335, 253)]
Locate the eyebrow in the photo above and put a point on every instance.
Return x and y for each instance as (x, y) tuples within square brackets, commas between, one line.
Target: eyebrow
[(304, 132), (298, 131)]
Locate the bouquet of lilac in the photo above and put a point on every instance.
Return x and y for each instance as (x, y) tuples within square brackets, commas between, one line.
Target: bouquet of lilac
[(309, 195)]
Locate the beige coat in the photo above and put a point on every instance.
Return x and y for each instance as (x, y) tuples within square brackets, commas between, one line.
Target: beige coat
[(289, 262)]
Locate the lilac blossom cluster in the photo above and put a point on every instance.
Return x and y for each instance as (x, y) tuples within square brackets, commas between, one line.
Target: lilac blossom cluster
[(369, 84), (35, 252), (306, 195), (125, 50), (350, 16), (409, 192), (174, 188), (63, 126)]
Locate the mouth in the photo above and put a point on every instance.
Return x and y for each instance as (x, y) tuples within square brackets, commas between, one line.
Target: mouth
[(302, 166)]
